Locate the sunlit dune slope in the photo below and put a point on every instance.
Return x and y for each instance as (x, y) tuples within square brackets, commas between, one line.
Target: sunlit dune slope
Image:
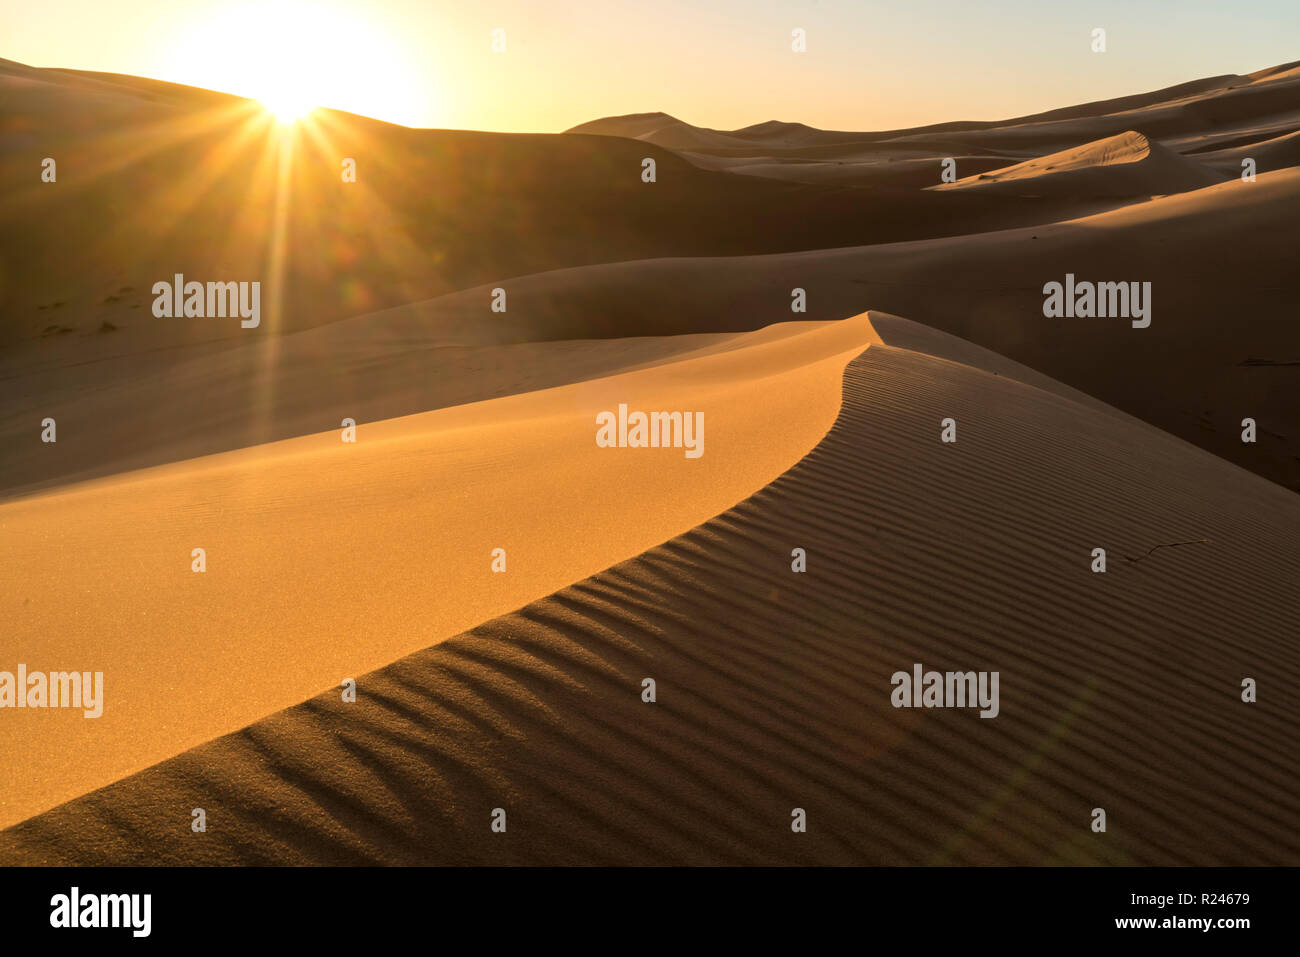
[(326, 559), (1127, 164), (1118, 690)]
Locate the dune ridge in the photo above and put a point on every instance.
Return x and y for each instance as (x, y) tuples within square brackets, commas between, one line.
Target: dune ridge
[(1118, 690), (317, 550)]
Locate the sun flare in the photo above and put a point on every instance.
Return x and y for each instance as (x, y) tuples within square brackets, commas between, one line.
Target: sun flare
[(286, 106), (287, 55)]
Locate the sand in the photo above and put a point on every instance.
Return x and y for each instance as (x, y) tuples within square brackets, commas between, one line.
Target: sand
[(1119, 690), (318, 551)]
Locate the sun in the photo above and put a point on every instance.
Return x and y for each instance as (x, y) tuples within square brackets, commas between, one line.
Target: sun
[(287, 105), (289, 56)]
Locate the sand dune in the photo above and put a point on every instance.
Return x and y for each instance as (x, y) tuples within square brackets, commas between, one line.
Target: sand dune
[(1191, 107), (674, 134), (1232, 134), (1212, 253), (103, 100), (319, 553), (1160, 119), (661, 130), (1274, 153), (1118, 690), (1125, 165), (1286, 71), (1218, 112)]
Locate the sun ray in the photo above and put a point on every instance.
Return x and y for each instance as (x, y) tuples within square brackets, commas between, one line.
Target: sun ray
[(384, 232)]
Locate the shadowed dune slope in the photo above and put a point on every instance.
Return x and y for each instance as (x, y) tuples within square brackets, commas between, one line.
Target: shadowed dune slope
[(1118, 690)]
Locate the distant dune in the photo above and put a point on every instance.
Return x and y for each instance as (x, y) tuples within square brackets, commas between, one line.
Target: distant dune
[(772, 688), (1195, 104), (1187, 118), (1125, 165), (1275, 153)]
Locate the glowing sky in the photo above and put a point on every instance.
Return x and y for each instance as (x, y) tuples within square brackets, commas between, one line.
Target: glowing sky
[(870, 64)]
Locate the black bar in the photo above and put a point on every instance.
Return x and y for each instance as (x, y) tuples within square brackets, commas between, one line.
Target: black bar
[(367, 906)]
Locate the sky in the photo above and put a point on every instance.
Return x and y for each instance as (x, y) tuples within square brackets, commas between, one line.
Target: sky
[(724, 64)]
